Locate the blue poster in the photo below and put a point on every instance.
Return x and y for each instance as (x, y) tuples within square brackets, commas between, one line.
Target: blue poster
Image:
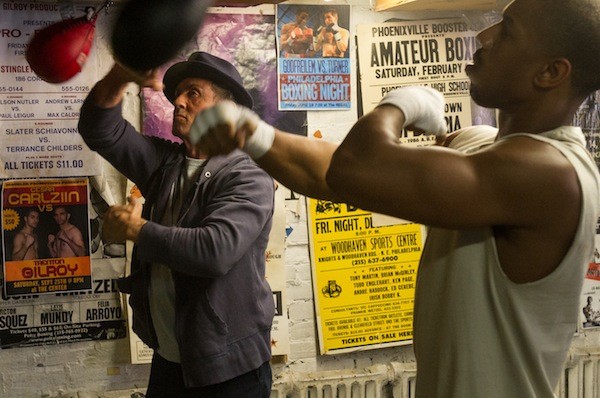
[(313, 63)]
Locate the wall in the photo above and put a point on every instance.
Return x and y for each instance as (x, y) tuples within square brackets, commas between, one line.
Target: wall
[(102, 369)]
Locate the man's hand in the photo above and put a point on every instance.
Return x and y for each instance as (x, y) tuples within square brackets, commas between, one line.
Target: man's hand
[(423, 108), (316, 36), (109, 91), (147, 78), (123, 222), (335, 29), (292, 37), (228, 126)]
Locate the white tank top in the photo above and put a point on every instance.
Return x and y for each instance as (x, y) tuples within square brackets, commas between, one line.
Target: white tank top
[(478, 334)]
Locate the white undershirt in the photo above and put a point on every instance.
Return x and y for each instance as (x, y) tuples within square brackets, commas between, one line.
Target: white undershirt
[(162, 288)]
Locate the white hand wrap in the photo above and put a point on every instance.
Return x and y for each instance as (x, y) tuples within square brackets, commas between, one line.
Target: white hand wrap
[(261, 139), (423, 108), (225, 113), (292, 38), (337, 36), (228, 113)]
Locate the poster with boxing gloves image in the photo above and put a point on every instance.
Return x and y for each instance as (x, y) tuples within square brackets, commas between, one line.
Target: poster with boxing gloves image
[(313, 63)]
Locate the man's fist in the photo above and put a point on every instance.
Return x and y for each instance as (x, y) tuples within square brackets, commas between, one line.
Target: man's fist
[(227, 125), (423, 108), (333, 28)]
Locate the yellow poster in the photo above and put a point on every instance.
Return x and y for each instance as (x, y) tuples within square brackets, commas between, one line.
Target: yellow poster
[(364, 277)]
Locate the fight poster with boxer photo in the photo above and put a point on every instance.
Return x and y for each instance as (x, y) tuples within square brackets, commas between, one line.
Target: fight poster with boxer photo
[(313, 63), (45, 239), (66, 317)]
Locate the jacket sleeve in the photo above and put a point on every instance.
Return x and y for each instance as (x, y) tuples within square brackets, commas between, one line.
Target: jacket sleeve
[(235, 223)]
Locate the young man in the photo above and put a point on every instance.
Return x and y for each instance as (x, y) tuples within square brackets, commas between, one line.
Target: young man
[(331, 39), (25, 243), (512, 224), (198, 288), (68, 241), (296, 38)]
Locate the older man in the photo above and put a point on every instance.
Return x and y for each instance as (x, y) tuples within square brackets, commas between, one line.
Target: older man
[(197, 285)]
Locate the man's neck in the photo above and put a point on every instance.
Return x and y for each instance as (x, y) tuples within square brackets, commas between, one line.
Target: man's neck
[(66, 226), (532, 124), (539, 115)]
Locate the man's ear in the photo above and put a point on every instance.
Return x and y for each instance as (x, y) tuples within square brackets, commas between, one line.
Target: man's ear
[(553, 73)]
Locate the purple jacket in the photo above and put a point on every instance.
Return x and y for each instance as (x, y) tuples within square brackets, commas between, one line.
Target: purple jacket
[(224, 305)]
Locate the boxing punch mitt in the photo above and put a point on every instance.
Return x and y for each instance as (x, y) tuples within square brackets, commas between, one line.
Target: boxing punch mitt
[(148, 33), (59, 51)]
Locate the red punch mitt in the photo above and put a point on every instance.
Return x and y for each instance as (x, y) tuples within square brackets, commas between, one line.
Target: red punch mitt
[(59, 51)]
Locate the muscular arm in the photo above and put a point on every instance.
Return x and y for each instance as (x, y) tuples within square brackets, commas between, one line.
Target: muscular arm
[(286, 30), (211, 244), (519, 183), (300, 164), (52, 245), (342, 44), (21, 246), (516, 186), (109, 91), (74, 239)]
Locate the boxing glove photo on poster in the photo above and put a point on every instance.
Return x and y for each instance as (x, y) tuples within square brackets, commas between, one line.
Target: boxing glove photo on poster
[(313, 57)]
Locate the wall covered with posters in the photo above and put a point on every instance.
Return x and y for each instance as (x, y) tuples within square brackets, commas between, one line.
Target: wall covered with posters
[(71, 343)]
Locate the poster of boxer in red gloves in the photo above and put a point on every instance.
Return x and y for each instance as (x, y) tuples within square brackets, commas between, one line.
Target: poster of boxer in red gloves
[(313, 57)]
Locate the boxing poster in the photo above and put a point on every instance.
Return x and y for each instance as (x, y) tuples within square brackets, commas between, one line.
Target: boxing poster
[(313, 63), (39, 120), (589, 314), (430, 53), (45, 239), (590, 298), (364, 277), (66, 317), (588, 118)]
